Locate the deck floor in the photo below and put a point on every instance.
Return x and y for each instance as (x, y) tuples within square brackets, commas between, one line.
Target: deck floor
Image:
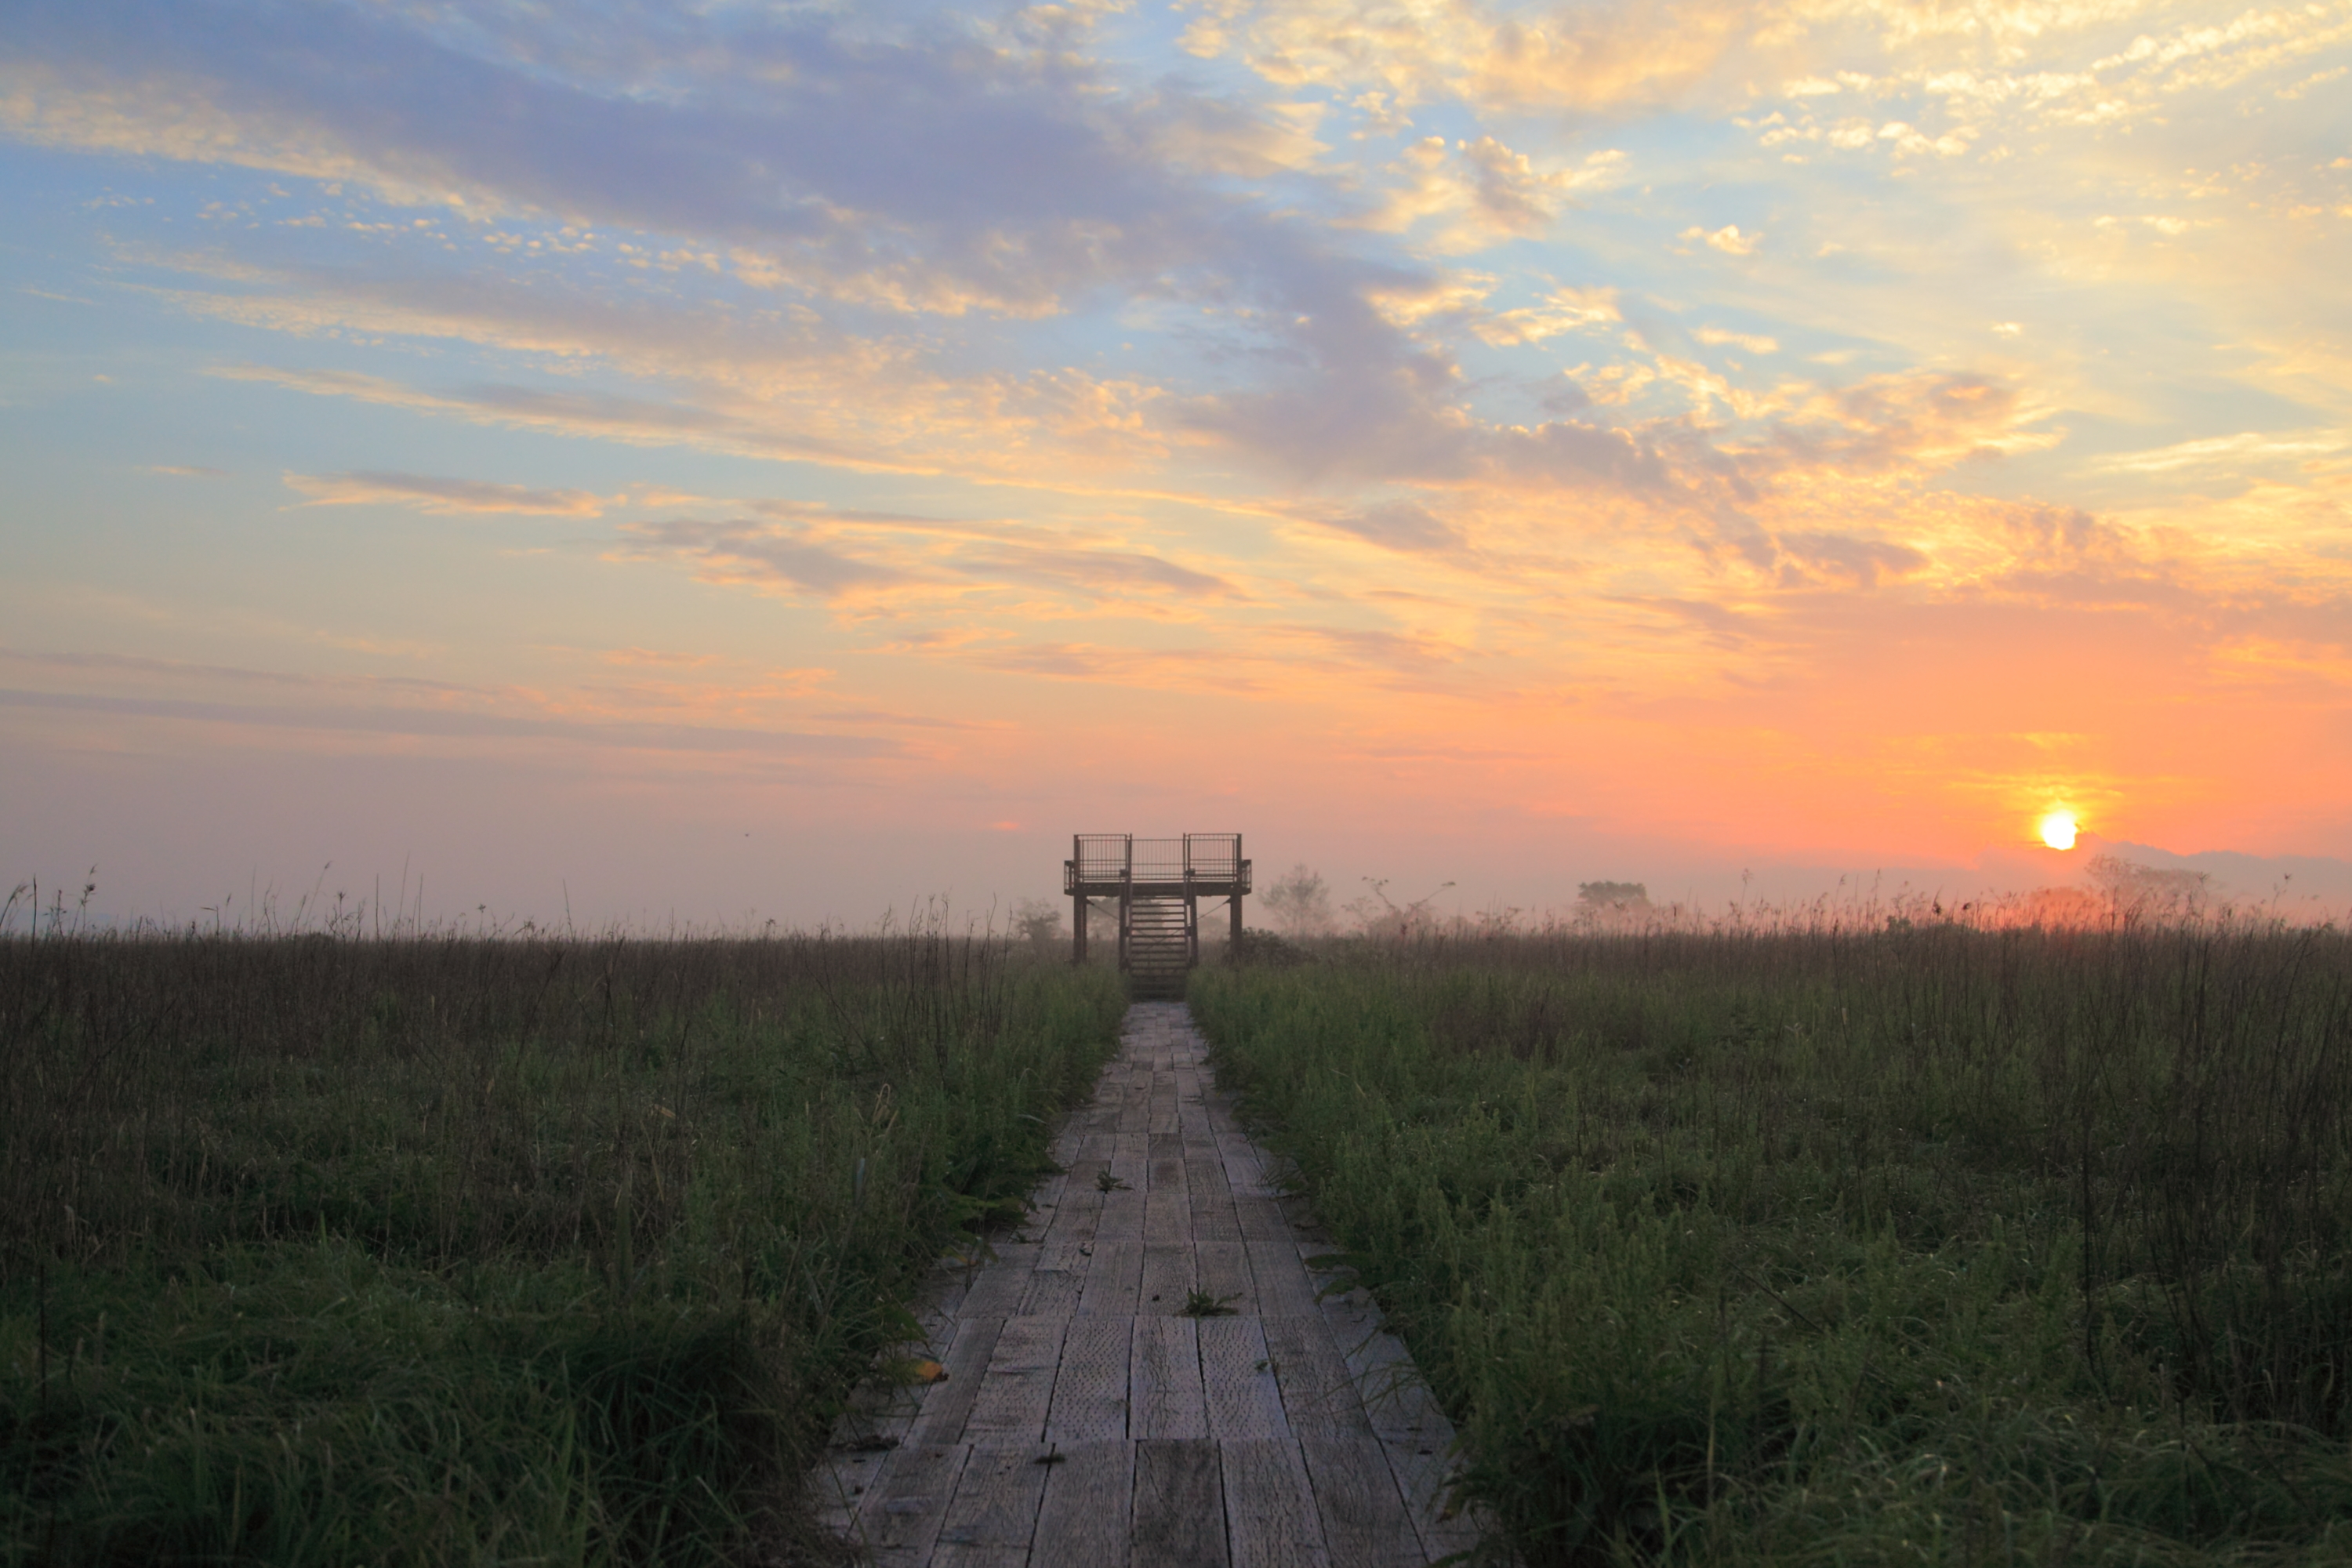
[(1088, 1420)]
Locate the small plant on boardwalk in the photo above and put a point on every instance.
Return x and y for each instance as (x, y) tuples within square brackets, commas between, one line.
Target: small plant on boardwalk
[(1205, 1304), (1107, 1182)]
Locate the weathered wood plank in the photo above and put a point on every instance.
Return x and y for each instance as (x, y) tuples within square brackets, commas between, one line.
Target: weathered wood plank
[(1053, 1292), (1237, 1379), (1121, 1217), (998, 1281), (1180, 1505), (1270, 1505), (1167, 1204), (901, 1520), (1261, 1217), (994, 1509), (1210, 1199), (1423, 1476), (1089, 1513), (1090, 1391), (1167, 1279), (1284, 1290), (1114, 1279), (1010, 1410), (1224, 1272), (1164, 1395), (1319, 1391), (1356, 1497), (947, 1405)]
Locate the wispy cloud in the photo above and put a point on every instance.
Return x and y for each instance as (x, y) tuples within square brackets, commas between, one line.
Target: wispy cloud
[(427, 494)]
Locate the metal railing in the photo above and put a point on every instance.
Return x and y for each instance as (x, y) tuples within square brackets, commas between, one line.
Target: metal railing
[(1100, 857)]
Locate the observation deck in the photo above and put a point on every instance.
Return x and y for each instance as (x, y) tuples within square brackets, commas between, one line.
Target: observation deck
[(1157, 886)]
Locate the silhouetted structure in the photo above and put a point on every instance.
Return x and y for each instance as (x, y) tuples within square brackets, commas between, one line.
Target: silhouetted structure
[(1157, 885)]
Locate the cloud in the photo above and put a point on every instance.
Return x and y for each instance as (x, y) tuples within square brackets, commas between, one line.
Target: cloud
[(1481, 193), (1865, 562), (769, 553), (1562, 310), (904, 169), (467, 496), (2227, 451), (1401, 525), (1727, 239), (867, 556), (1754, 343), (445, 724), (186, 471)]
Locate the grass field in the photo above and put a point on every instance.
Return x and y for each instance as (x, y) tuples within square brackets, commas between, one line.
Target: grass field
[(438, 1251), (1913, 1246)]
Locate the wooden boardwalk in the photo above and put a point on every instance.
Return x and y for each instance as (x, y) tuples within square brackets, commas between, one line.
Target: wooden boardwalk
[(1087, 1419)]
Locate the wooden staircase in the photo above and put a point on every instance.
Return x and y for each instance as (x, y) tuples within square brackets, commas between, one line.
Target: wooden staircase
[(1159, 942)]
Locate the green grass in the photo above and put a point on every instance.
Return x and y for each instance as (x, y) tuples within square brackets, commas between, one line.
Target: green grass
[(1924, 1245), (452, 1251)]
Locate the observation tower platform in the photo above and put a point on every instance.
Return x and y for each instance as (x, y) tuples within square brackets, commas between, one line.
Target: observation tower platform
[(1157, 886)]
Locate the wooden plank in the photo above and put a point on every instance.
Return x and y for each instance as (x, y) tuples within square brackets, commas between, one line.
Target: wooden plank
[(1283, 1288), (1319, 1391), (1053, 1292), (1121, 1217), (1356, 1497), (996, 1285), (1270, 1505), (1396, 1399), (947, 1405), (1260, 1217), (1163, 1382), (1089, 1508), (1168, 1279), (1210, 1200), (1010, 1410), (1224, 1272), (1135, 1103), (1167, 1204), (902, 1517), (1090, 1395), (1423, 1474), (1114, 1279), (993, 1513), (1068, 1239), (1237, 1379), (1180, 1505)]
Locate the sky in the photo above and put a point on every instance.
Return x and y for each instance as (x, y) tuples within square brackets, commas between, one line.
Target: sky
[(723, 462)]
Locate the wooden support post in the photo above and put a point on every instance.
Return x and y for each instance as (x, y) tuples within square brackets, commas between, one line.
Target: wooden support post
[(1078, 937), (1234, 907)]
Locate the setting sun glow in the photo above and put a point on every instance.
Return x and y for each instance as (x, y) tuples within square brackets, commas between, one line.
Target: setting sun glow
[(2058, 830)]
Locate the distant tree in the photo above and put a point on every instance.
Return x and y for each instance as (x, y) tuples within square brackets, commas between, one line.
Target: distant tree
[(2134, 891), (1300, 903), (1378, 915), (1614, 895), (1039, 920)]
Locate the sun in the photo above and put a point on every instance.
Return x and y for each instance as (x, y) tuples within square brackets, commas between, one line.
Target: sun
[(2058, 829)]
